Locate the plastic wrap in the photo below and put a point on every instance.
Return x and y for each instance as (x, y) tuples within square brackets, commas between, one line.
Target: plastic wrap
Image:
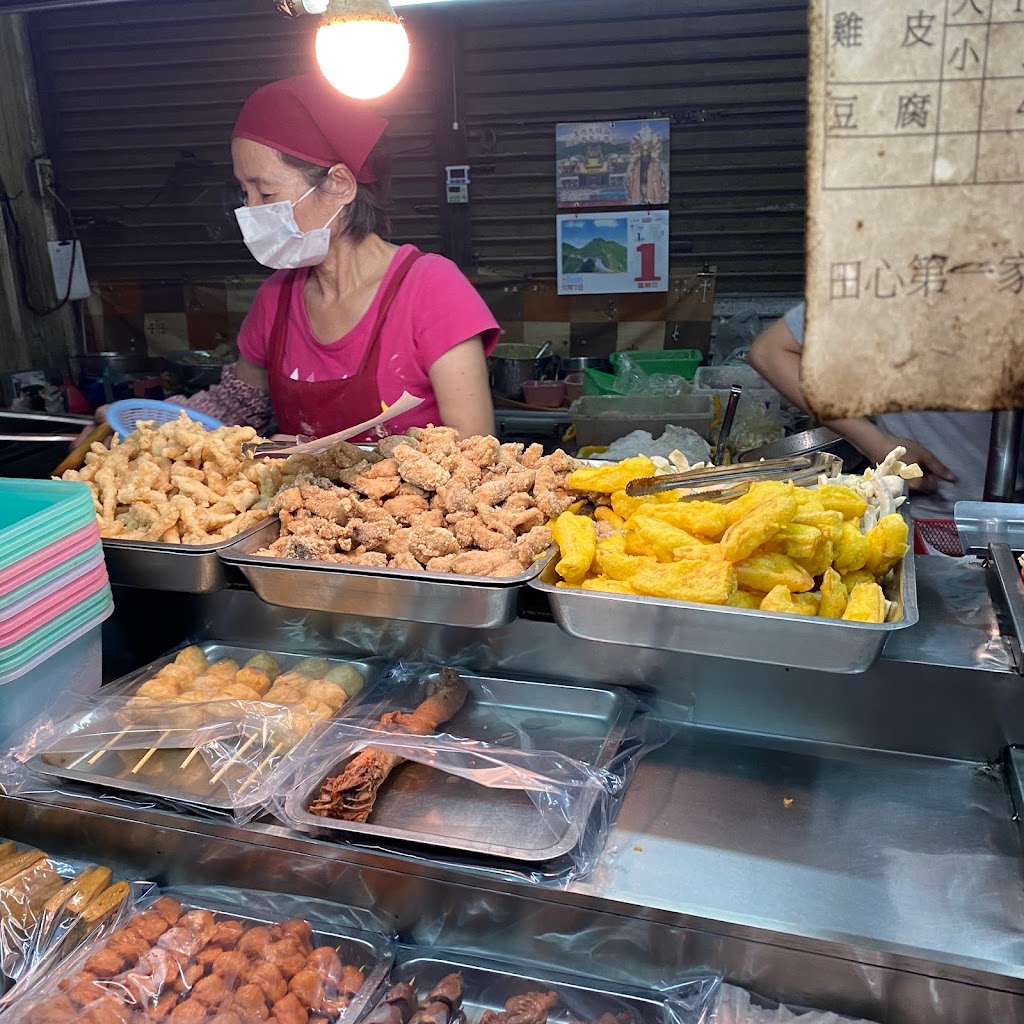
[(192, 755), (451, 987), (732, 1005), (49, 906), (510, 784), (190, 952), (632, 379)]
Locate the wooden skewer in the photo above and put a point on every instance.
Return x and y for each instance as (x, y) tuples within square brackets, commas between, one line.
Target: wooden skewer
[(231, 760), (191, 757), (149, 753), (263, 764), (99, 753)]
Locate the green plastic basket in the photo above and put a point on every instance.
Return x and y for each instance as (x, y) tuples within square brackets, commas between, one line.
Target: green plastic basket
[(597, 382), (682, 362)]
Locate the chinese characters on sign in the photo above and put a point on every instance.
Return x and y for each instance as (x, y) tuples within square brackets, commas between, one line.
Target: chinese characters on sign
[(606, 253), (915, 278)]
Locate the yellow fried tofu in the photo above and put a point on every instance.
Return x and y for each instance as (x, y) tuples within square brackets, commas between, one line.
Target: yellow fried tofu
[(829, 522), (662, 538), (625, 506), (609, 479), (612, 561), (699, 518), (779, 599), (820, 559), (607, 586), (745, 599), (796, 541), (840, 498), (833, 595), (765, 572), (576, 537), (809, 603), (866, 604), (707, 552), (637, 545), (807, 500), (852, 550), (852, 579), (887, 544), (689, 580), (758, 493), (762, 523), (607, 515)]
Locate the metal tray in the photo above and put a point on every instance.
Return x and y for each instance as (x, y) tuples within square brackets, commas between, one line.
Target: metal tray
[(438, 598), (489, 984), (770, 638), (162, 776), (183, 568), (419, 804)]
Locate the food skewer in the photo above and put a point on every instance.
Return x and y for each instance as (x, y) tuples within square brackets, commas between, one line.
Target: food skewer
[(263, 764), (99, 753), (149, 753), (234, 757)]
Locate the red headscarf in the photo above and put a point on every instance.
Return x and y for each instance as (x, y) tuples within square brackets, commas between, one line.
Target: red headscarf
[(308, 118)]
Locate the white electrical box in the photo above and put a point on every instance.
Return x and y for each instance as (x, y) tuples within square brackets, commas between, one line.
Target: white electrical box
[(457, 183), (68, 264)]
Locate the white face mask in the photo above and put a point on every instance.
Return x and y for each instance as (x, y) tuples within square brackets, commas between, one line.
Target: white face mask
[(275, 239)]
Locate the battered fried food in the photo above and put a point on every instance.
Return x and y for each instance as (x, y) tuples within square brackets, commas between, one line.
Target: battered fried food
[(424, 497)]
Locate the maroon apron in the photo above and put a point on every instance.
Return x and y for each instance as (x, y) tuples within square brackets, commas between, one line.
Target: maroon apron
[(323, 407)]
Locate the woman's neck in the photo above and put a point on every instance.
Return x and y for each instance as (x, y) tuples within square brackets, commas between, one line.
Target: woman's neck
[(349, 266)]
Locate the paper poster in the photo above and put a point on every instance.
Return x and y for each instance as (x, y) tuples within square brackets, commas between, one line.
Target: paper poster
[(605, 253), (612, 163), (915, 281)]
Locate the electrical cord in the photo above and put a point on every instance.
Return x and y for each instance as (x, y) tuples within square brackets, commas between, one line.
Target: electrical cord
[(21, 261)]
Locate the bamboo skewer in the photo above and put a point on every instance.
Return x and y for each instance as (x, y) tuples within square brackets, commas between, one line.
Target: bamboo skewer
[(191, 757), (149, 753), (99, 753), (234, 757), (263, 764)]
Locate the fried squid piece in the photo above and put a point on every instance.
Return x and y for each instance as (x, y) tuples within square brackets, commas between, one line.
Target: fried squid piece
[(351, 795)]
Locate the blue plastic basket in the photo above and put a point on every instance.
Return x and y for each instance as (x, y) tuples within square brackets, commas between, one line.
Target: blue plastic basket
[(124, 415)]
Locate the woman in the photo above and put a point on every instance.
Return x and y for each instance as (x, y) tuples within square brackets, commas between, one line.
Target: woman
[(349, 321)]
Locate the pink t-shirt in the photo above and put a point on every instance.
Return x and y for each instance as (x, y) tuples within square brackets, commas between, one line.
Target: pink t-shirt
[(435, 309)]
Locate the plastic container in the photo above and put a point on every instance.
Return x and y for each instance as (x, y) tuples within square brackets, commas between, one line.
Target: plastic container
[(546, 394), (600, 420), (36, 612), (681, 362), (35, 514), (41, 563), (597, 382), (124, 415), (42, 586), (573, 387), (71, 665)]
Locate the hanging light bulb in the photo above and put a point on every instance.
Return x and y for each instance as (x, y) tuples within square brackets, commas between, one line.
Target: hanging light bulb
[(361, 47)]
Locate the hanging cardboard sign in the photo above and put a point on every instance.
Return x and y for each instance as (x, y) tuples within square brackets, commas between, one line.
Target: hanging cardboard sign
[(606, 253), (915, 275)]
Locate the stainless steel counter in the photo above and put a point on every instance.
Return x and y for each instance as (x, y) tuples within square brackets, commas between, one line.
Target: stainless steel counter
[(840, 841)]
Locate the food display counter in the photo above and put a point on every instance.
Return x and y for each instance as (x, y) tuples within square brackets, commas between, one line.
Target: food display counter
[(835, 841)]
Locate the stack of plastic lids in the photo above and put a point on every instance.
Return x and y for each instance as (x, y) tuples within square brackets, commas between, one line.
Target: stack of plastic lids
[(53, 580)]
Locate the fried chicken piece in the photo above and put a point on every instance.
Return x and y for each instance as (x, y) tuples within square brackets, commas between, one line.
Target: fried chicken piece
[(371, 535), (181, 939), (207, 957), (189, 974), (188, 1012), (58, 1010), (296, 929), (405, 561), (559, 462), (212, 990), (255, 941), (530, 459), (431, 519), (326, 502), (306, 549), (290, 1010), (487, 539), (481, 450), (105, 963), (427, 542), (326, 962), (442, 564), (398, 542), (417, 468), (165, 1002), (404, 506), (509, 454), (248, 1001), (379, 481), (109, 1010), (270, 980), (549, 493), (352, 979), (511, 567), (225, 1017), (286, 955), (455, 496), (309, 987), (518, 520), (374, 559), (530, 546), (463, 529), (150, 925), (437, 442), (387, 445), (86, 989), (480, 563), (231, 965), (520, 502), (494, 492), (464, 472)]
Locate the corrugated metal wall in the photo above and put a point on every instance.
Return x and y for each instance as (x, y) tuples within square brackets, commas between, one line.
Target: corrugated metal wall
[(730, 73), (129, 88), (139, 100)]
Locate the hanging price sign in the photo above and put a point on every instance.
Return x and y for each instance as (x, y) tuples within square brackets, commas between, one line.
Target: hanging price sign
[(611, 253)]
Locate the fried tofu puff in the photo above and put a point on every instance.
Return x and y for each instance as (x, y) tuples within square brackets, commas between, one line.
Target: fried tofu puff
[(348, 677), (193, 659), (312, 668), (265, 663)]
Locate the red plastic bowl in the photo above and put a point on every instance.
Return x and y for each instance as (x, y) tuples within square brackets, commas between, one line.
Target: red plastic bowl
[(546, 394)]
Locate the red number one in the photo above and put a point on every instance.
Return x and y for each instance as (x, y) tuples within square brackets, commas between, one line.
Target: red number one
[(647, 273)]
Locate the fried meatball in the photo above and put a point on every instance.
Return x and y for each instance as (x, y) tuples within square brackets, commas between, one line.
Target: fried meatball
[(212, 990), (298, 930), (290, 1010), (231, 965), (249, 1000), (227, 933), (209, 956), (254, 941), (169, 909), (309, 988), (150, 925), (326, 962), (270, 979)]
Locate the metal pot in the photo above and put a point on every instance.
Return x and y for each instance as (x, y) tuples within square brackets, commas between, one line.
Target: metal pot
[(509, 365), (577, 364)]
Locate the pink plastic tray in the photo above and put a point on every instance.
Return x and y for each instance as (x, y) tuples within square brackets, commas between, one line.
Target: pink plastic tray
[(19, 573), (39, 613)]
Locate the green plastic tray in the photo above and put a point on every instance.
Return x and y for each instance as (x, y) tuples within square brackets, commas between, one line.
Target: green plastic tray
[(37, 513), (680, 362)]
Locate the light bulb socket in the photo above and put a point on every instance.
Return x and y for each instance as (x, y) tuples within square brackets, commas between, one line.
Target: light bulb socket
[(359, 10)]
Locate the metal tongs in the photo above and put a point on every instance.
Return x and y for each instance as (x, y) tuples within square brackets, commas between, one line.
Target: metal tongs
[(305, 446), (726, 483)]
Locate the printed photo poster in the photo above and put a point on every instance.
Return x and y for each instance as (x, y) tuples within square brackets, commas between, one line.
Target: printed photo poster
[(612, 163), (608, 253)]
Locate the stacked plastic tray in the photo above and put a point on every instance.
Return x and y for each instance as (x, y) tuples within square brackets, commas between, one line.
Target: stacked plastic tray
[(54, 595)]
